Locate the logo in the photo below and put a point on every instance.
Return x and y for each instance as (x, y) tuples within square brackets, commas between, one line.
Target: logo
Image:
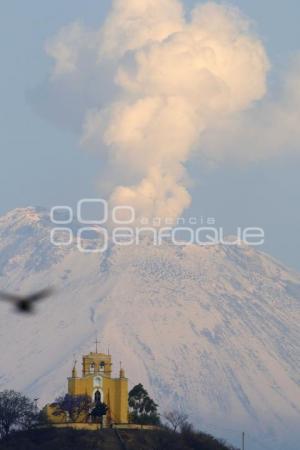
[(120, 226)]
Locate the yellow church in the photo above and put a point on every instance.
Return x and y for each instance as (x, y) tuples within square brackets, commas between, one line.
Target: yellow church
[(97, 382)]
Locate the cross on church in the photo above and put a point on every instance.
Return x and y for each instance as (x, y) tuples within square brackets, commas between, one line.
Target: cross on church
[(97, 342)]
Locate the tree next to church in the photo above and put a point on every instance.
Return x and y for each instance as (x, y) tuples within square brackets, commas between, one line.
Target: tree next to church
[(143, 409), (75, 406)]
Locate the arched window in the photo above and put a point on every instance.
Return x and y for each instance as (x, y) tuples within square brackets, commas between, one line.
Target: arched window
[(98, 381), (97, 397), (92, 368), (102, 366)]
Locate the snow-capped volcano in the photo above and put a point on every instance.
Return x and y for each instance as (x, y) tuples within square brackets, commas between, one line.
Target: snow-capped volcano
[(212, 330)]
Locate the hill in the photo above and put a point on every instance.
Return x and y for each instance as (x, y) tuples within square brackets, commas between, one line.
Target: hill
[(53, 439)]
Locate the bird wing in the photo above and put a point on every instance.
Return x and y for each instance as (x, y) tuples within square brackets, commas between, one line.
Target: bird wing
[(40, 295), (10, 297)]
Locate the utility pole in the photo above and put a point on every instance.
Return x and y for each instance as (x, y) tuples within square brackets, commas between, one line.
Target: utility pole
[(243, 440)]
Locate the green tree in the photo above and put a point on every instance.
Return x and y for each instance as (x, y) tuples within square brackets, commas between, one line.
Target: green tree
[(99, 410), (16, 412), (143, 409)]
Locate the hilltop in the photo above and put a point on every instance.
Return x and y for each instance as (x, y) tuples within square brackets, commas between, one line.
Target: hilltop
[(53, 439)]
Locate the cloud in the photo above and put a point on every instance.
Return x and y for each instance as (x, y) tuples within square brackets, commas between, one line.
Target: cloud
[(157, 89), (135, 24), (261, 133)]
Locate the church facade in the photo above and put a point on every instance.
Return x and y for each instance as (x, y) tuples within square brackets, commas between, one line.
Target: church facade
[(97, 382)]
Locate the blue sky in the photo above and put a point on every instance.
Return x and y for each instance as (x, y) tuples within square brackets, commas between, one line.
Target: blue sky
[(41, 164)]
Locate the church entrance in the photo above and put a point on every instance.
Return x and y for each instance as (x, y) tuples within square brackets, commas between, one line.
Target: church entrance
[(97, 397)]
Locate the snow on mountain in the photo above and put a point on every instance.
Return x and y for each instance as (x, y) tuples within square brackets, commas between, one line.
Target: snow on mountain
[(212, 330)]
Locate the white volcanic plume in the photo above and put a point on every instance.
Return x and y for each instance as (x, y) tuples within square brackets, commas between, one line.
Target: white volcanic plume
[(174, 78)]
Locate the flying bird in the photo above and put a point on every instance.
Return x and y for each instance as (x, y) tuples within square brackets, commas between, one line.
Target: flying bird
[(25, 304)]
